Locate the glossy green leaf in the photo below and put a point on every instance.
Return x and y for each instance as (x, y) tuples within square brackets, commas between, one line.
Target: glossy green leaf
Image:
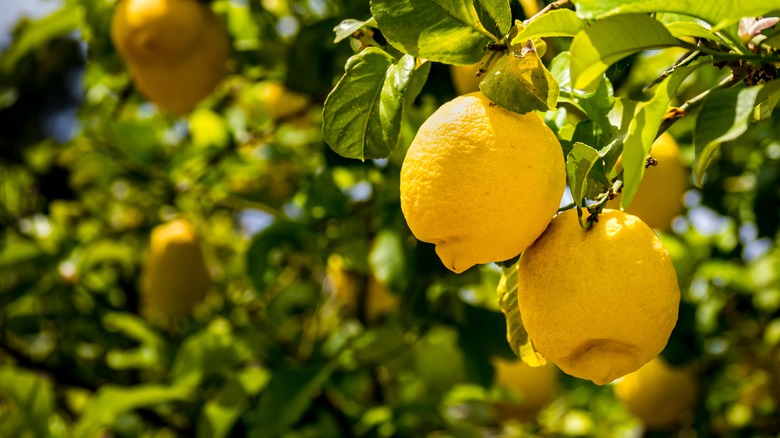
[(719, 13), (595, 48), (362, 116), (346, 28), (29, 402), (516, 334), (287, 397), (643, 129), (725, 115), (448, 31), (557, 23), (112, 400), (521, 84), (579, 162)]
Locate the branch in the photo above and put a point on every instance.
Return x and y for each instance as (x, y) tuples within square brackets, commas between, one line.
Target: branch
[(551, 7)]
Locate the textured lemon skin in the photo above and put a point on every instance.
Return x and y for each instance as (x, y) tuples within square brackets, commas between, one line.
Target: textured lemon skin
[(598, 303), (535, 387), (659, 197), (175, 275), (480, 182), (176, 50), (464, 78), (658, 394)]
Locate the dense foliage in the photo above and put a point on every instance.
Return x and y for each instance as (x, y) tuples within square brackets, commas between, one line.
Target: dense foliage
[(300, 241)]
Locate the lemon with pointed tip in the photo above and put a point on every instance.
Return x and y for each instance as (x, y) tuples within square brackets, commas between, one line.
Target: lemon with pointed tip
[(659, 197), (599, 303), (658, 394), (176, 50), (175, 276), (480, 182)]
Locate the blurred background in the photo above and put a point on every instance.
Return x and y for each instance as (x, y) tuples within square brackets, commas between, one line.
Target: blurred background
[(224, 273)]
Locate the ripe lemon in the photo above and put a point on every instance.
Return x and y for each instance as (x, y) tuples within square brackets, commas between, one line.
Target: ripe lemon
[(175, 274), (378, 299), (480, 182), (464, 78), (659, 198), (176, 50), (535, 388), (658, 394), (598, 303)]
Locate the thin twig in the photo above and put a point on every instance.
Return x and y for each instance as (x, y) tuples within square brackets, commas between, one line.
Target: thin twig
[(552, 6), (685, 59)]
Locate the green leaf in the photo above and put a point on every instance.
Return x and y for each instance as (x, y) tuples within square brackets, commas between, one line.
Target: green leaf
[(387, 259), (147, 355), (579, 162), (448, 31), (362, 116), (719, 13), (110, 401), (210, 351), (515, 331), (346, 28), (31, 400), (286, 399), (521, 84), (35, 34), (137, 140), (594, 49), (557, 23), (643, 129), (220, 413), (725, 115), (19, 252)]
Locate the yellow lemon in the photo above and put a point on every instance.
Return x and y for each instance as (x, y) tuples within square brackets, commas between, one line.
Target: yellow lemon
[(535, 388), (658, 394), (659, 198), (599, 303), (175, 275), (176, 50), (480, 182), (464, 78), (346, 286)]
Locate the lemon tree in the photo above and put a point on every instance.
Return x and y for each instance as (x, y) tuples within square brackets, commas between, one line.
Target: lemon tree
[(244, 218)]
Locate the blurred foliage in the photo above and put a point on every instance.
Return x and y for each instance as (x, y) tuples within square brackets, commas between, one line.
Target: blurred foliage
[(88, 167)]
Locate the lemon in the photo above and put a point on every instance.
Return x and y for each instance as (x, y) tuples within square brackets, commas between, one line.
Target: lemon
[(480, 182), (659, 197), (535, 388), (176, 50), (346, 285), (464, 78), (658, 394), (175, 276), (598, 303)]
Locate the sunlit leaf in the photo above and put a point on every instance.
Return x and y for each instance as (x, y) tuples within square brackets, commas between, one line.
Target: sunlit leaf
[(521, 84), (31, 400), (362, 116), (579, 162), (725, 115), (448, 31), (557, 23), (595, 48), (515, 331)]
